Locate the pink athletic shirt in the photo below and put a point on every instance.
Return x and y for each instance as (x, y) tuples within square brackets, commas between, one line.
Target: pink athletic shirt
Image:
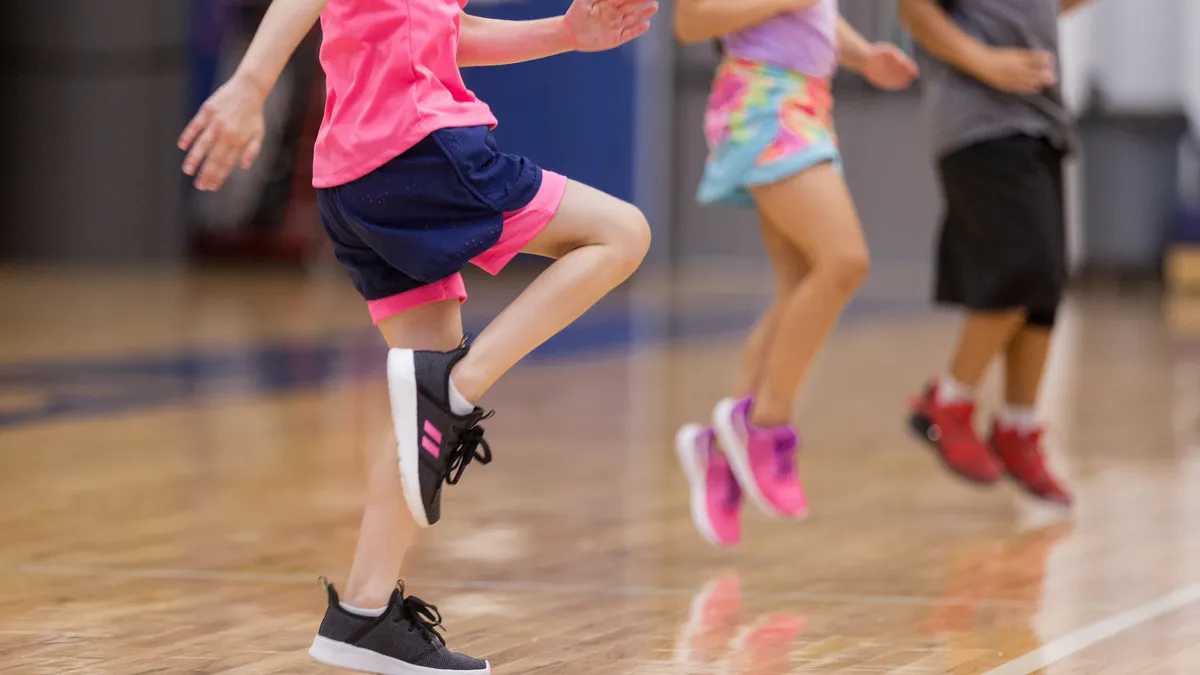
[(391, 79)]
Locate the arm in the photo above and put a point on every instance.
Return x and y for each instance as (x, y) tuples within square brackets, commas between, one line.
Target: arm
[(853, 48), (283, 27), (1017, 71), (493, 42), (588, 26), (700, 20), (229, 126), (1069, 6), (940, 36)]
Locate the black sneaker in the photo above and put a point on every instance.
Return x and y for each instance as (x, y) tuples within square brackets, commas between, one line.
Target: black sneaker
[(403, 641), (434, 444)]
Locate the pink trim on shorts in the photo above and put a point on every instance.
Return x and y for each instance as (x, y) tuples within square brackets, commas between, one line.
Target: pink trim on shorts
[(522, 225), (450, 287)]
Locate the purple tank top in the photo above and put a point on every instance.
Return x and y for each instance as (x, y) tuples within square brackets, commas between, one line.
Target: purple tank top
[(804, 40)]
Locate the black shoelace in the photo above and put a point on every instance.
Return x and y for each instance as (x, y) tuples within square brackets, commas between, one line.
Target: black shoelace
[(422, 615), (470, 443)]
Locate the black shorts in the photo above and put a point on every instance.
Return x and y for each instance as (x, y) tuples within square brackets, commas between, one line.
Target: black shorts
[(1003, 239)]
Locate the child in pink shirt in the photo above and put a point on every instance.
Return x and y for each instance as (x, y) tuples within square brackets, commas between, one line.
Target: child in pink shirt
[(411, 188)]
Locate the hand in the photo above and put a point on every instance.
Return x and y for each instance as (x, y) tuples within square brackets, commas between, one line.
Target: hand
[(1018, 71), (228, 128), (597, 25), (886, 66)]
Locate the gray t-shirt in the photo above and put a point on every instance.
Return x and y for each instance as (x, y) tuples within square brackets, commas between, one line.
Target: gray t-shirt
[(964, 111)]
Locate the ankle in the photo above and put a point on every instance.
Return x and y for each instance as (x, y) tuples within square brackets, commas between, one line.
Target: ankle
[(952, 390), (769, 410), (468, 381), (364, 600), (1018, 417)]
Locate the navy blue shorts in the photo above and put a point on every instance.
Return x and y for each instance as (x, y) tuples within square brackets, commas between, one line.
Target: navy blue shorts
[(406, 230)]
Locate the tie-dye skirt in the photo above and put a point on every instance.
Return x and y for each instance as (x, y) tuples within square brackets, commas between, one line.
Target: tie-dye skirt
[(763, 124)]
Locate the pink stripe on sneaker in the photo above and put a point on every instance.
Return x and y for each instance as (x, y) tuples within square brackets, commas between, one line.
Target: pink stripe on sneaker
[(431, 447), (433, 432), (450, 287)]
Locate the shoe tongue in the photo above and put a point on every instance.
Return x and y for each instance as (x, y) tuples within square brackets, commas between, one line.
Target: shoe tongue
[(785, 441), (784, 437)]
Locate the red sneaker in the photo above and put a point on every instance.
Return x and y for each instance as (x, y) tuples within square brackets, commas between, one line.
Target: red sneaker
[(948, 430), (1024, 459)]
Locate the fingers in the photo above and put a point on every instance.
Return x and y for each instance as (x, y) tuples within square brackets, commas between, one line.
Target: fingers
[(193, 129), (251, 152), (217, 167), (635, 32), (642, 15), (199, 150)]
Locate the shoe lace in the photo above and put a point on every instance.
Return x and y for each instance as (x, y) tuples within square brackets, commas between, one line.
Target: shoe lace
[(421, 615), (471, 447)]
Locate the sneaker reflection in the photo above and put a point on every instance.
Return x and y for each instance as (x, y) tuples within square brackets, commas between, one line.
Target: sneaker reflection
[(715, 639), (995, 594)]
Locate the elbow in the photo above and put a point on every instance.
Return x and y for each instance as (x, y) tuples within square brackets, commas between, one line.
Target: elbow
[(687, 33), (689, 23)]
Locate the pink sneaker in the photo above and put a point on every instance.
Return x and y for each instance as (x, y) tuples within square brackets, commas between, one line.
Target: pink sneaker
[(716, 498), (762, 459)]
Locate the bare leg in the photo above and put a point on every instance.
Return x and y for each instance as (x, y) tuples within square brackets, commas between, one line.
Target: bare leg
[(790, 267), (387, 525), (983, 335), (597, 241), (814, 212), (1024, 363)]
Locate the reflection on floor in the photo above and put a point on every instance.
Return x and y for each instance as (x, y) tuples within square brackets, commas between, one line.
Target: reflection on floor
[(184, 532)]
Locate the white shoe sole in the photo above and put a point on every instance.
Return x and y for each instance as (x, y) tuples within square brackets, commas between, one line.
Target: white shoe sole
[(342, 655), (693, 470), (738, 456), (402, 390)]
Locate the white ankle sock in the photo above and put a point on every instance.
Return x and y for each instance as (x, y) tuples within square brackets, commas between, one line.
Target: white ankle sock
[(1019, 417), (950, 390), (363, 612), (459, 405)]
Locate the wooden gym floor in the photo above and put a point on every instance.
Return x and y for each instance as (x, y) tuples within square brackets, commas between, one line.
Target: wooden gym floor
[(179, 463)]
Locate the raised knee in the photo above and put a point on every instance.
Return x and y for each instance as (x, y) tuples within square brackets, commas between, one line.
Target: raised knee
[(846, 270), (629, 237)]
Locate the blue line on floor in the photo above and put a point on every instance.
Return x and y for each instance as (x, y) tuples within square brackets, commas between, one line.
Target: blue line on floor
[(106, 386)]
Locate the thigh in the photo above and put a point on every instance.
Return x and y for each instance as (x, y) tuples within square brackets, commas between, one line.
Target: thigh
[(1007, 223), (998, 193), (814, 212), (373, 276), (434, 208), (585, 216)]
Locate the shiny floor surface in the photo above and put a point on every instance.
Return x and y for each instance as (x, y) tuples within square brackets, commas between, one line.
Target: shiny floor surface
[(179, 462)]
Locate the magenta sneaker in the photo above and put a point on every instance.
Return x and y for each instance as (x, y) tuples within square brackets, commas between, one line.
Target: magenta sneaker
[(762, 459), (716, 499)]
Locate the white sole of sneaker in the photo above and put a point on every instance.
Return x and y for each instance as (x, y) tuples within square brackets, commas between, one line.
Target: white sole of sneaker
[(342, 655), (739, 458), (693, 470), (402, 391)]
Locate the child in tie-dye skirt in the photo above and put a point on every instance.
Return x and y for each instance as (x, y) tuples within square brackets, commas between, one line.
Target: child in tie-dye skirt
[(772, 147)]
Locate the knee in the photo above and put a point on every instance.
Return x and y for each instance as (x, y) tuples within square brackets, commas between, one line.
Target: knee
[(627, 236), (845, 270)]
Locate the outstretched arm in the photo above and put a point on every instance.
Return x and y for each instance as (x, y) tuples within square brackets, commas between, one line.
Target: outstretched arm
[(588, 25), (700, 20), (229, 126)]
